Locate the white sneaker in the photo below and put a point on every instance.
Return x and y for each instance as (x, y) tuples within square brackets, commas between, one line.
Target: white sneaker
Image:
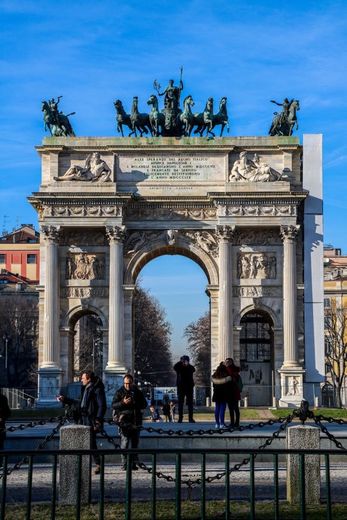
[(217, 426)]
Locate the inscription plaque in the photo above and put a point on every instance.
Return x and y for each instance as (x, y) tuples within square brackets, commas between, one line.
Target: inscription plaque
[(172, 166)]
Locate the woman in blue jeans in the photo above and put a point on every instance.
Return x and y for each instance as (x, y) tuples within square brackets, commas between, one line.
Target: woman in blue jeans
[(221, 381)]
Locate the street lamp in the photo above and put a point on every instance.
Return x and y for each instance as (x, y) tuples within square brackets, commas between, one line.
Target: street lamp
[(6, 340)]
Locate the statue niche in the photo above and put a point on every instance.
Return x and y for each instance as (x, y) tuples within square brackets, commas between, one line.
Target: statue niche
[(85, 266)]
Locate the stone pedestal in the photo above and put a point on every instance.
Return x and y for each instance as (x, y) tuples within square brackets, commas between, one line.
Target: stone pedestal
[(74, 437), (303, 437), (49, 385), (292, 387)]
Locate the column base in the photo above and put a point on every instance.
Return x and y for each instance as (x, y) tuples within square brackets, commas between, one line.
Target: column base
[(49, 384), (292, 386), (113, 379)]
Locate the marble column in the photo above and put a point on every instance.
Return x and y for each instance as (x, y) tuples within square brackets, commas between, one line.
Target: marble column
[(289, 234), (225, 234), (291, 372), (51, 316), (49, 368), (115, 363)]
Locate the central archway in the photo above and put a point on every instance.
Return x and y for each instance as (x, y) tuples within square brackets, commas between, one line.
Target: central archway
[(257, 356)]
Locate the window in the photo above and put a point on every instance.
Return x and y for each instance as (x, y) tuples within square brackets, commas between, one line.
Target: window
[(2, 259), (31, 259)]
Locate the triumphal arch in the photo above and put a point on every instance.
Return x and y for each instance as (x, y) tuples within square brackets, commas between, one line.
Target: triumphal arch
[(246, 209)]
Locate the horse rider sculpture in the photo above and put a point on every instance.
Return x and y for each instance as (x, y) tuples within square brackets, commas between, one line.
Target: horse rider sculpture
[(284, 122)]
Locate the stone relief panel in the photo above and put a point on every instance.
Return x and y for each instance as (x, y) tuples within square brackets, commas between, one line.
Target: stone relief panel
[(82, 211), (83, 238), (261, 237), (261, 266), (94, 169), (205, 240), (170, 213), (255, 169), (85, 266), (84, 292)]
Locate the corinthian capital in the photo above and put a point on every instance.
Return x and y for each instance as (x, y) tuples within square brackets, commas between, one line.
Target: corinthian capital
[(225, 233), (51, 234), (289, 232), (115, 233)]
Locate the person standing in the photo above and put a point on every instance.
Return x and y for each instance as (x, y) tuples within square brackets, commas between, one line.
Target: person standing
[(185, 387), (234, 392), (5, 413), (91, 408), (221, 387), (128, 403)]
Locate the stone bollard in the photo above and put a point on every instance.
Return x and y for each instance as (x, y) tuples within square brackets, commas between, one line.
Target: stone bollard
[(74, 437), (245, 402), (208, 402), (303, 437)]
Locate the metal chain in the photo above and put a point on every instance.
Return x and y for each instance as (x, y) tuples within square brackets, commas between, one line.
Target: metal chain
[(190, 482), (109, 438), (32, 424), (330, 436), (41, 446), (330, 419)]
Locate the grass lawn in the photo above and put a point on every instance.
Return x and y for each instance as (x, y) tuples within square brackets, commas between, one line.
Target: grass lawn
[(189, 511)]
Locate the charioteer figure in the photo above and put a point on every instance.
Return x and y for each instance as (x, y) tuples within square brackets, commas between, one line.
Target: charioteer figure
[(172, 109)]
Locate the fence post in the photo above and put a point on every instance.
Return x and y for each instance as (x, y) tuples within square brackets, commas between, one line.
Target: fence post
[(74, 437), (303, 437)]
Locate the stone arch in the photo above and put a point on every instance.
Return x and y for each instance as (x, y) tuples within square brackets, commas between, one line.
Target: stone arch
[(69, 349), (76, 312), (260, 307), (182, 246)]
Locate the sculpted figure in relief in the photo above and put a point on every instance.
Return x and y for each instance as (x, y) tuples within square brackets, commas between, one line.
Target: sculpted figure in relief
[(94, 169), (261, 266), (84, 266), (255, 170)]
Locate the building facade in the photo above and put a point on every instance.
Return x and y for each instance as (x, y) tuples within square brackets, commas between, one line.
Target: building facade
[(248, 210), (20, 252)]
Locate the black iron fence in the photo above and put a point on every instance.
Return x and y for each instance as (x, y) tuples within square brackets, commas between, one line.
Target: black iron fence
[(199, 482)]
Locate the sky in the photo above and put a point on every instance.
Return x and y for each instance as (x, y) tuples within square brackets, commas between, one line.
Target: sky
[(95, 52)]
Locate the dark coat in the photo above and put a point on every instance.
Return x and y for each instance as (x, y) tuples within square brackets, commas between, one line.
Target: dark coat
[(94, 407), (234, 372), (131, 411), (185, 380), (5, 413)]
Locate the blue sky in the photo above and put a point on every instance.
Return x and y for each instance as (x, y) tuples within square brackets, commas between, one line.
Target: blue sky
[(94, 52)]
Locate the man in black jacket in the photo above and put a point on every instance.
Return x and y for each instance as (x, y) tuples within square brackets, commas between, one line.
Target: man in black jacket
[(5, 413), (127, 404), (91, 408), (185, 386)]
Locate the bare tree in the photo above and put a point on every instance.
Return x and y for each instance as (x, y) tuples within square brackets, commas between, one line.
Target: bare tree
[(18, 335), (335, 325), (198, 334), (152, 340)]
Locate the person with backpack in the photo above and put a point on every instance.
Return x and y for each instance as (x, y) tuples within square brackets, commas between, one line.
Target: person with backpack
[(235, 388)]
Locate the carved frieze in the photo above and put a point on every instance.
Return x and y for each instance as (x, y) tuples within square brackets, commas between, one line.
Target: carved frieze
[(172, 213), (260, 266), (257, 291), (83, 238), (254, 237), (97, 210), (85, 266), (84, 292), (254, 210)]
